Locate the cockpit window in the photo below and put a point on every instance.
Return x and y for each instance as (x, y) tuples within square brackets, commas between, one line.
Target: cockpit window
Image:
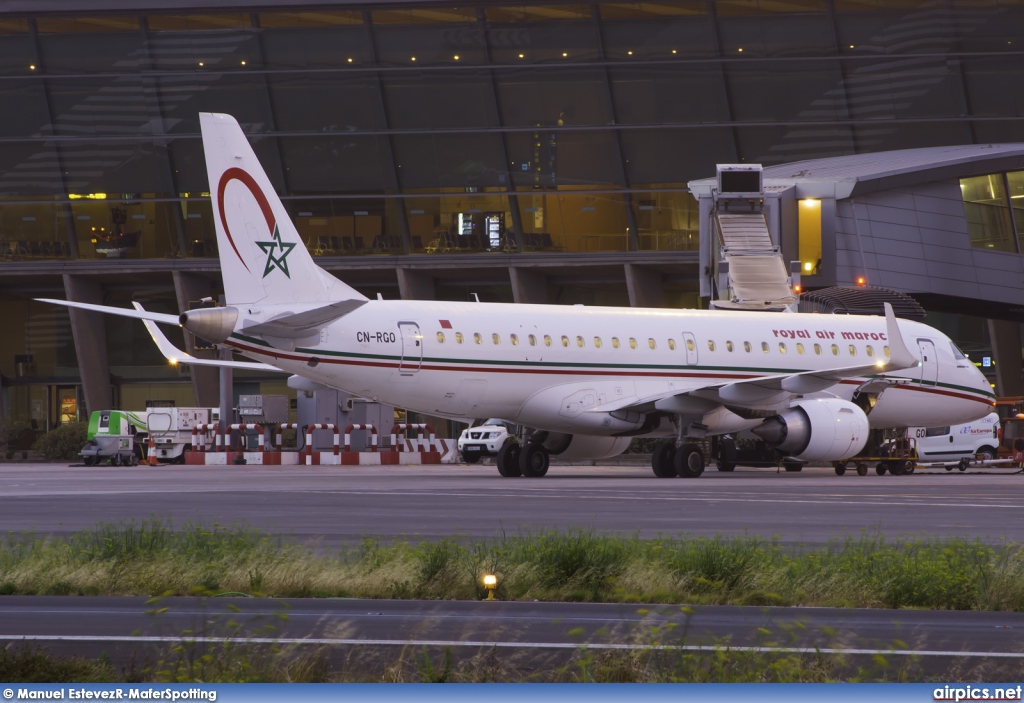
[(957, 354)]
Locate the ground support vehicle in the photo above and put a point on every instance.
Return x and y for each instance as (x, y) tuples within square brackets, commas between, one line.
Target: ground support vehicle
[(747, 450), (124, 437), (111, 438), (895, 455), (485, 439)]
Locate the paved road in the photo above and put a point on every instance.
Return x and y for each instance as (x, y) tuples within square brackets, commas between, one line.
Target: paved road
[(532, 631), (337, 506)]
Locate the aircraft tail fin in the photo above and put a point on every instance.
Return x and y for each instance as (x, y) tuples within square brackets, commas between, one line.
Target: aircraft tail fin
[(262, 257)]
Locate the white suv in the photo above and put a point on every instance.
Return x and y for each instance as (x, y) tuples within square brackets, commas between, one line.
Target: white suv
[(484, 440)]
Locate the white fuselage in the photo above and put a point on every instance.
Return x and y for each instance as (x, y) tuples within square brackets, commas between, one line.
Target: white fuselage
[(548, 367)]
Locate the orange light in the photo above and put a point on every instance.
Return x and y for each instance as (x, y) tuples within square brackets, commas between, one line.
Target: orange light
[(861, 280), (797, 288)]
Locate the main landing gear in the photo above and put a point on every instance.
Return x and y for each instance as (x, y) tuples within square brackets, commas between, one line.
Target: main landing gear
[(686, 460), (530, 459)]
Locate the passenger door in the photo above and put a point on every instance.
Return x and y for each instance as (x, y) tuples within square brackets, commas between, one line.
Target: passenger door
[(929, 362), (412, 348)]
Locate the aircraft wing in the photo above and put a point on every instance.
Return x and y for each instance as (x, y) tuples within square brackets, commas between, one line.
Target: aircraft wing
[(177, 356), (774, 388), (138, 314)]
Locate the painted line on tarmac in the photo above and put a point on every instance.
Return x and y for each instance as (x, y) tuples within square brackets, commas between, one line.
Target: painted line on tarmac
[(156, 639), (662, 497)]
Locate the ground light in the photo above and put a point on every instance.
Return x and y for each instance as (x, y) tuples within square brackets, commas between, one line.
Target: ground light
[(490, 583)]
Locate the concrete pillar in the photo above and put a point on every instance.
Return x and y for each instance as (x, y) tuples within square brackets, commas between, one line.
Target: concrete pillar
[(1006, 350), (528, 286), (90, 335), (644, 286), (205, 385), (415, 285)]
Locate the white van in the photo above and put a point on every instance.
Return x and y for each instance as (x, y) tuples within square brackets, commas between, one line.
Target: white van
[(979, 438)]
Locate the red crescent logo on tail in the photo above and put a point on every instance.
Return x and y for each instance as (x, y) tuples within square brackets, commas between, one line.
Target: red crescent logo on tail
[(237, 174)]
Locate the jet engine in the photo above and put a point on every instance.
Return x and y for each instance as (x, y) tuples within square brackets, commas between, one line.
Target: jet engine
[(212, 324), (824, 429), (579, 447)]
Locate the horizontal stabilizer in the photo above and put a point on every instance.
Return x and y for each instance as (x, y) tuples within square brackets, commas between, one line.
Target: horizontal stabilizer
[(177, 356), (303, 323), (138, 314)]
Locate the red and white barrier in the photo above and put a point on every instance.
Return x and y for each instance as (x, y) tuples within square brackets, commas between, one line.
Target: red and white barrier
[(311, 458), (419, 444), (368, 427), (205, 428), (278, 442)]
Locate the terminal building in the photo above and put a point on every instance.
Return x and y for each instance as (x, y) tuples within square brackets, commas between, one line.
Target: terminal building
[(549, 152)]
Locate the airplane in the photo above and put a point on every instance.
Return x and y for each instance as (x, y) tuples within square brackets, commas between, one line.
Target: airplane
[(581, 380)]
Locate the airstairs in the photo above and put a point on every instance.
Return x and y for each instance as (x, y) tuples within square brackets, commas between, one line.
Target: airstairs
[(752, 272)]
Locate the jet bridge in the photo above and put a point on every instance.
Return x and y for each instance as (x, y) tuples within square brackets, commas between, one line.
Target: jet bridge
[(747, 270)]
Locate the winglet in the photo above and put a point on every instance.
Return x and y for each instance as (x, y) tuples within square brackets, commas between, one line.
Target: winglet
[(899, 355), (176, 356)]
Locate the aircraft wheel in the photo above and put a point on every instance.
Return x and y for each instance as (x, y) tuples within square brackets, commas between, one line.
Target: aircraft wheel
[(727, 454), (792, 466), (662, 459), (508, 460), (882, 468), (862, 469), (840, 467), (534, 460), (689, 461)]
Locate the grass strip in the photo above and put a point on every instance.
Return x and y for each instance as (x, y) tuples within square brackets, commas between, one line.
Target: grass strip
[(152, 557)]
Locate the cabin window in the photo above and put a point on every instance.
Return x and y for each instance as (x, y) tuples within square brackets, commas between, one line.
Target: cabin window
[(459, 339), (690, 346), (746, 347), (672, 344), (853, 350), (835, 350), (533, 340), (651, 343), (597, 342), (711, 345), (817, 349), (565, 341), (496, 338), (477, 338), (615, 342), (799, 348), (514, 338), (728, 345), (782, 347), (869, 350), (440, 337), (764, 347), (579, 342), (885, 350), (632, 343), (547, 340)]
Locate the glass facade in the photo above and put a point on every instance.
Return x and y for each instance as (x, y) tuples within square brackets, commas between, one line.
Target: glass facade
[(425, 128)]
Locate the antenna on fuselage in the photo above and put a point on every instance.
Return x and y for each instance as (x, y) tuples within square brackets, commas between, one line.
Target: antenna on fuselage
[(476, 297)]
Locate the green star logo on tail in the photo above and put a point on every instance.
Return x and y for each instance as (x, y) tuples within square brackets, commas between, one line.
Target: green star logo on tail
[(278, 262)]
